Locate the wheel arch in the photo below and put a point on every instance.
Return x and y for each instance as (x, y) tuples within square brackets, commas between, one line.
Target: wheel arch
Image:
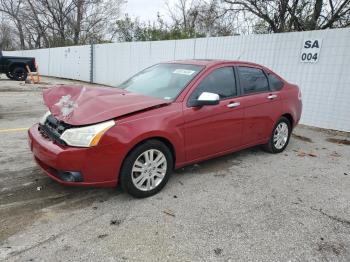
[(290, 118), (162, 139), (16, 64)]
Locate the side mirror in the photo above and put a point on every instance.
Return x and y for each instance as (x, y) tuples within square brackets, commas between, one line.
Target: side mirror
[(206, 99)]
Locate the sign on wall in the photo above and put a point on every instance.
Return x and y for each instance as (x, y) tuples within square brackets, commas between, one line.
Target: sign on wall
[(310, 51)]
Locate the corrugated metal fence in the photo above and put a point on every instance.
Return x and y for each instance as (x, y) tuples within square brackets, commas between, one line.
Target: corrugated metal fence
[(325, 84)]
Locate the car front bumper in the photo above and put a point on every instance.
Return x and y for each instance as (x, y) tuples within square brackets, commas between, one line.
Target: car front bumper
[(94, 166)]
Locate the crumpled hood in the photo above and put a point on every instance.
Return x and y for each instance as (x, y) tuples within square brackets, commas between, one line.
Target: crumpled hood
[(80, 105)]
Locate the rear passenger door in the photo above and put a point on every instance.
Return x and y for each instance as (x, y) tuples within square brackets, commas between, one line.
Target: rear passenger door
[(262, 105)]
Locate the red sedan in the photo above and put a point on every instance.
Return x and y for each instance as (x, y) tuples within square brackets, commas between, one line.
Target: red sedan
[(167, 116)]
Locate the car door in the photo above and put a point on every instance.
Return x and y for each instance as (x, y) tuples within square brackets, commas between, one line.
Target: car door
[(261, 104), (213, 129)]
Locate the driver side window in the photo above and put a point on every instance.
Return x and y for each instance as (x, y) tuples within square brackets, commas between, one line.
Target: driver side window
[(221, 81)]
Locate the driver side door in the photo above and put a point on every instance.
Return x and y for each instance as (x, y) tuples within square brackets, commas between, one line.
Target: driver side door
[(214, 129)]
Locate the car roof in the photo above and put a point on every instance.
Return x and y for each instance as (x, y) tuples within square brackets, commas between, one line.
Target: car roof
[(212, 62)]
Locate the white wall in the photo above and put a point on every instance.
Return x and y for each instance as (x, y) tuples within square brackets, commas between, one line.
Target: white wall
[(325, 85)]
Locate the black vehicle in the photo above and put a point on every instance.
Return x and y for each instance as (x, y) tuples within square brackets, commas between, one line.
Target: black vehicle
[(15, 67)]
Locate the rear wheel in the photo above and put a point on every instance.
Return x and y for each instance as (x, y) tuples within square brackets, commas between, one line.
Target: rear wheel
[(280, 136), (19, 74), (146, 169)]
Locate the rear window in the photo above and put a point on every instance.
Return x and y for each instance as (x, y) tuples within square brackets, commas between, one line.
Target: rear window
[(276, 84), (253, 80)]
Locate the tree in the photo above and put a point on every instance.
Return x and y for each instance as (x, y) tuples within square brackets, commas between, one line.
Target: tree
[(293, 15), (208, 17), (128, 29), (188, 19), (51, 23), (6, 35), (12, 9)]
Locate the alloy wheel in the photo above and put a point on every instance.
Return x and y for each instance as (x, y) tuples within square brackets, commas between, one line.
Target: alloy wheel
[(280, 136), (149, 170)]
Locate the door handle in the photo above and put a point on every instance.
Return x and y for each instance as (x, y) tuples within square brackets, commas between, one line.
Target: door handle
[(233, 104), (271, 97)]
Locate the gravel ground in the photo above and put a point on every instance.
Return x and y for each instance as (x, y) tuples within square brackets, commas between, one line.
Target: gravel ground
[(247, 206)]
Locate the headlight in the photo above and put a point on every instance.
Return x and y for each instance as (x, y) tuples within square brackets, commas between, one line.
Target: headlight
[(86, 136), (44, 117)]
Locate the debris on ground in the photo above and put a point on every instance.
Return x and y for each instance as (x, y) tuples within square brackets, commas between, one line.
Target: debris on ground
[(299, 201), (169, 212), (115, 222), (335, 248), (335, 154), (312, 154), (338, 141), (302, 138), (175, 196), (102, 236), (302, 154), (218, 251), (39, 188), (345, 174)]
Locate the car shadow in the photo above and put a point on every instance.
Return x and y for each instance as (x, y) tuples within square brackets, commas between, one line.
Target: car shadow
[(31, 191), (24, 197)]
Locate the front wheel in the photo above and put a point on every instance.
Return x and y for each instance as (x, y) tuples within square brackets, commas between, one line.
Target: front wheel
[(280, 136), (146, 169)]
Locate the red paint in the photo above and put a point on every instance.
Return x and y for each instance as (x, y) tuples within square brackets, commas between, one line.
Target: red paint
[(195, 134), (93, 105)]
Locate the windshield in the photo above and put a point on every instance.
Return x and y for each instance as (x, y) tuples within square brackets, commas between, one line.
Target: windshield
[(164, 81)]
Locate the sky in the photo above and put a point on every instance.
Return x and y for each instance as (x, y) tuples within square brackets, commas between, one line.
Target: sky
[(146, 9)]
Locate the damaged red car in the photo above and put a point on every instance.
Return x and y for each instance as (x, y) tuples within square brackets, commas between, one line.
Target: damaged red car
[(165, 117)]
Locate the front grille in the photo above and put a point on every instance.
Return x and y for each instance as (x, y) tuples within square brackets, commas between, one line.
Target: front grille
[(53, 129)]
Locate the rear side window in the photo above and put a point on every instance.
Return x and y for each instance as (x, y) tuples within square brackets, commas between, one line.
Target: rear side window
[(276, 84), (253, 80), (221, 81)]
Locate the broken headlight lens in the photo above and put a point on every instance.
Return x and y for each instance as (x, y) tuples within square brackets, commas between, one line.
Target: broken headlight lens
[(86, 136), (44, 117)]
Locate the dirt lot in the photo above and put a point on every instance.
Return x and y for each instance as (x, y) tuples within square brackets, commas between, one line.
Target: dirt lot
[(248, 206)]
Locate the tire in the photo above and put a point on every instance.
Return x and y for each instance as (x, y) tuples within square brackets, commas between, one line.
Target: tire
[(9, 75), (279, 138), (19, 74), (136, 175)]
